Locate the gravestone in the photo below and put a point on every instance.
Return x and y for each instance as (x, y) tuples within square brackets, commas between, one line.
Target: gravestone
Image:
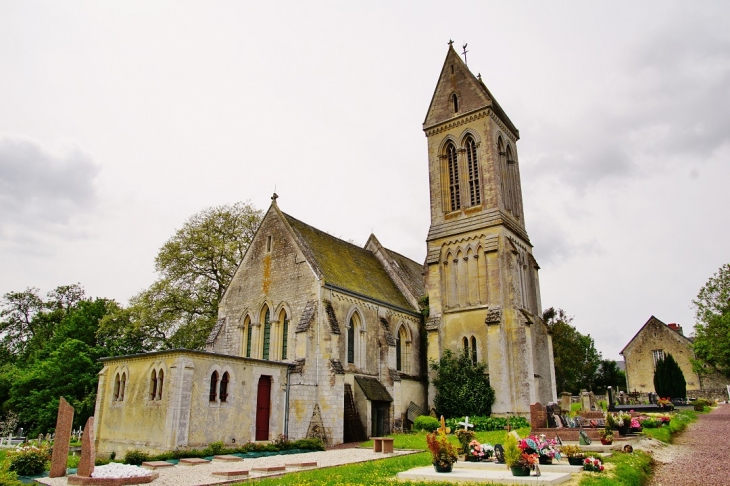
[(565, 401), (583, 438), (585, 401), (88, 454), (499, 453), (64, 423), (538, 416)]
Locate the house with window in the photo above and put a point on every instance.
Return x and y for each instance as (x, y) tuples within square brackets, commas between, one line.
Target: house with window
[(318, 337), (652, 343)]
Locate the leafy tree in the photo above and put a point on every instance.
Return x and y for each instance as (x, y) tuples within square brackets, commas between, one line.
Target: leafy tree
[(712, 330), (669, 379), (462, 386), (195, 266), (609, 374), (575, 355)]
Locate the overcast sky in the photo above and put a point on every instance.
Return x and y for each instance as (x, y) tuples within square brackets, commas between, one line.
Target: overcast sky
[(119, 120)]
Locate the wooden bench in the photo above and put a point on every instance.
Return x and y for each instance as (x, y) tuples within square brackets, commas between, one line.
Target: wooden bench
[(382, 444)]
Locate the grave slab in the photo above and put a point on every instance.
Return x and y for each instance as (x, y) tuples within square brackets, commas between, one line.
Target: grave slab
[(269, 469), (231, 474), (227, 458), (562, 467), (503, 476), (156, 464), (192, 461), (88, 452), (74, 480), (299, 465)]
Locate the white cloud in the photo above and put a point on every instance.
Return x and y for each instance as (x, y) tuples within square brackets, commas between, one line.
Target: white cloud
[(42, 191)]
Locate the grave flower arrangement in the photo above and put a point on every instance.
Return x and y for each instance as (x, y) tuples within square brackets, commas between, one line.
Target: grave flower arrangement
[(592, 464), (606, 436), (574, 454), (517, 459), (479, 451), (543, 447)]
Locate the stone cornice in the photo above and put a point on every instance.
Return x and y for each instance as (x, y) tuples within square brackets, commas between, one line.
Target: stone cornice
[(501, 125), (456, 122)]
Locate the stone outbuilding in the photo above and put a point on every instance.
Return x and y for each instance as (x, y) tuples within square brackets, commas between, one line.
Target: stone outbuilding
[(653, 342)]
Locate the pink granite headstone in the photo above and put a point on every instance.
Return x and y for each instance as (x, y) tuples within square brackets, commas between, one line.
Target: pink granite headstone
[(88, 454), (64, 423)]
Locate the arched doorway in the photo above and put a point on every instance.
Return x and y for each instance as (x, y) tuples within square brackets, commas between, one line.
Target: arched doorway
[(263, 408)]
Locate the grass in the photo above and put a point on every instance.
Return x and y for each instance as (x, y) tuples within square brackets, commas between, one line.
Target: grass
[(628, 470), (417, 440), (679, 422)]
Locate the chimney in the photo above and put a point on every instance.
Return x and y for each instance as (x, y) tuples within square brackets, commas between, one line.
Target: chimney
[(675, 327)]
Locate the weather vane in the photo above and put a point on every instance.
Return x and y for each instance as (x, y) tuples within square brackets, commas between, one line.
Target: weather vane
[(465, 51)]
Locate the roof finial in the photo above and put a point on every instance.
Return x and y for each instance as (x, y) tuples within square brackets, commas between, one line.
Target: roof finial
[(451, 43), (479, 76), (465, 51), (274, 197)]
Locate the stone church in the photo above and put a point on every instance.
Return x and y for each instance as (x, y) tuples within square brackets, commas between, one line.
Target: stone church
[(317, 337)]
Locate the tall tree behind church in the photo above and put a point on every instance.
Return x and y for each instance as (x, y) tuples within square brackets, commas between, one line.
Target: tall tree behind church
[(195, 265), (576, 357)]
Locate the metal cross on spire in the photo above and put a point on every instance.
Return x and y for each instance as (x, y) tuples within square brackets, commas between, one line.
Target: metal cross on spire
[(451, 43), (465, 51)]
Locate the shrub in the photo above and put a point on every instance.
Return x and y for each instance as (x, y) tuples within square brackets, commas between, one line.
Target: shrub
[(214, 448), (462, 386), (512, 452), (73, 462), (8, 477), (488, 424), (668, 379), (135, 457), (700, 404), (427, 423), (29, 460), (313, 444), (465, 436)]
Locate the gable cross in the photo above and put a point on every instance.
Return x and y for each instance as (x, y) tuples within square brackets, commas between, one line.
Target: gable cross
[(465, 51), (466, 424)]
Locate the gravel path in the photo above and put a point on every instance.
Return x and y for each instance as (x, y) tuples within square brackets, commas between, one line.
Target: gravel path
[(699, 455), (201, 475)]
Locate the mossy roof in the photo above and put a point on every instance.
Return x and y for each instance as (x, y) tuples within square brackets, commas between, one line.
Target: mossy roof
[(373, 389), (347, 266)]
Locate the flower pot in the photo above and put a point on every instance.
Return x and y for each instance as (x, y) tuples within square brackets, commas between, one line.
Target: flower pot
[(520, 471), (575, 461), (470, 458), (623, 431), (443, 469), (545, 460), (606, 442), (636, 430)]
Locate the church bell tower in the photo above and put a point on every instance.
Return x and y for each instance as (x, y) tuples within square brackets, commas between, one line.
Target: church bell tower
[(482, 280)]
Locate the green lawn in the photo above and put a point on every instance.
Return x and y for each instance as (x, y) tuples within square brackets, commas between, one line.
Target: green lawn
[(679, 421)]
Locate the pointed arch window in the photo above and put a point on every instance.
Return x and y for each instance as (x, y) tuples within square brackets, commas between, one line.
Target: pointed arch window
[(247, 325), (398, 350), (475, 189), (267, 335), (117, 384), (353, 328), (284, 334), (453, 169), (160, 382), (153, 385), (122, 386), (213, 386), (224, 387), (465, 341), (474, 350), (455, 103)]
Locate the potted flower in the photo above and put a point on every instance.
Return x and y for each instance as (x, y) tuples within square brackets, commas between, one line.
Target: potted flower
[(442, 451), (635, 425), (465, 437), (574, 454), (516, 459), (624, 424), (606, 436), (546, 449), (478, 452), (592, 464)]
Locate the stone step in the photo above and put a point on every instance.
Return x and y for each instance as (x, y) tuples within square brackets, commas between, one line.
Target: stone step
[(156, 464), (227, 458), (192, 461), (231, 474)]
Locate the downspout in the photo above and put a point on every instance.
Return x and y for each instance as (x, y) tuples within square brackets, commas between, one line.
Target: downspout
[(286, 408)]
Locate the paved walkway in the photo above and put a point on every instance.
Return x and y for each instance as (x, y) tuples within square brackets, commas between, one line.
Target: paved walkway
[(700, 455)]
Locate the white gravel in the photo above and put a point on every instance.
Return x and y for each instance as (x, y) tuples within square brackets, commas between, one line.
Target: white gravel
[(200, 475)]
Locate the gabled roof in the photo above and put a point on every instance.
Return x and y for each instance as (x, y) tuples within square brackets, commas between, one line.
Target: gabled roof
[(651, 320), (473, 94), (346, 266)]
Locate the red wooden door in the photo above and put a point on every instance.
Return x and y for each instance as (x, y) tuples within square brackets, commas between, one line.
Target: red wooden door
[(263, 408)]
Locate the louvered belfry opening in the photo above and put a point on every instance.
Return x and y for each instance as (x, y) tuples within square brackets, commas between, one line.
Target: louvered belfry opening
[(354, 431)]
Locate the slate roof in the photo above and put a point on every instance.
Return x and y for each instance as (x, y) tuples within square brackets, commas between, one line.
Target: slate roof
[(347, 266), (373, 389), (411, 272)]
